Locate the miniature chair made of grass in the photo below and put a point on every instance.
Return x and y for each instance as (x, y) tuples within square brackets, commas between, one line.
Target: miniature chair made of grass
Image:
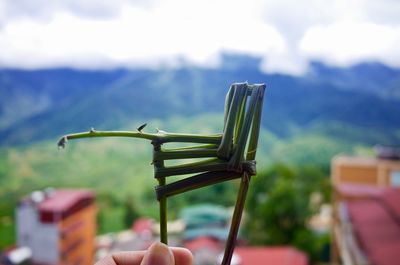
[(230, 158), (231, 155)]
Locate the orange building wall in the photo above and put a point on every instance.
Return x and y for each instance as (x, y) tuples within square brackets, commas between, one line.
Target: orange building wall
[(77, 233), (362, 170)]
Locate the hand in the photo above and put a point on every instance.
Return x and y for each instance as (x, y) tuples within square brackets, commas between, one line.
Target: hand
[(157, 254)]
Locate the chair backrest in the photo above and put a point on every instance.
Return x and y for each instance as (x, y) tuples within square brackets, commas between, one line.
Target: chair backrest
[(236, 147), (243, 107), (232, 157), (236, 150)]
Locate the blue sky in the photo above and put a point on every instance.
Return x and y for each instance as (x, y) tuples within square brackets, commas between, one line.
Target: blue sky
[(286, 34)]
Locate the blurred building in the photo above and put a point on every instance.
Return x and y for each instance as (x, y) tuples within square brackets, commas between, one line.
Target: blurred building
[(16, 256), (205, 249), (270, 255), (59, 226), (205, 220), (365, 170), (209, 251), (366, 210), (143, 227), (206, 231)]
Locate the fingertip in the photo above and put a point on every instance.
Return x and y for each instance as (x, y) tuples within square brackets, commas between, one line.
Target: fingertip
[(183, 256), (157, 253), (127, 257), (160, 254), (106, 261)]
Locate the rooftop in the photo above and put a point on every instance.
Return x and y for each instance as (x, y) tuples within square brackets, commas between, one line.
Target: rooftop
[(271, 256), (54, 205)]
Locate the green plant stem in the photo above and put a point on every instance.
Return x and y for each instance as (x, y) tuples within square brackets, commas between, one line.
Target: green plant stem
[(185, 153), (163, 199), (188, 168), (193, 147), (237, 157), (203, 166), (195, 182), (228, 102), (163, 214), (236, 219), (255, 128), (160, 137), (224, 150)]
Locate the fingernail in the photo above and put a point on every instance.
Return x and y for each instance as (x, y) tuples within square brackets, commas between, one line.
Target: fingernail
[(158, 254)]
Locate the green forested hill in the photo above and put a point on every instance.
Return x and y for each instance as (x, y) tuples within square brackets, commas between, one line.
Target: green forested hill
[(43, 104)]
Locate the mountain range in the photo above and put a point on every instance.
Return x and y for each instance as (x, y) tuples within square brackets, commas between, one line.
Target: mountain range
[(360, 104)]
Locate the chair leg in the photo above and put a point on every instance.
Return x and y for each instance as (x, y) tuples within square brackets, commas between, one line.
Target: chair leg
[(162, 200), (163, 220), (236, 218)]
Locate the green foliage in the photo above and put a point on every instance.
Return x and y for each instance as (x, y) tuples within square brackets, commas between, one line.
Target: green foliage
[(115, 214), (117, 168), (111, 220), (279, 206), (222, 194), (7, 231), (130, 212)]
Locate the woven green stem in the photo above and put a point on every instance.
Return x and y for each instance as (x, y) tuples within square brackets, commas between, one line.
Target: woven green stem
[(184, 154), (236, 219), (229, 158), (162, 200), (159, 137), (163, 215)]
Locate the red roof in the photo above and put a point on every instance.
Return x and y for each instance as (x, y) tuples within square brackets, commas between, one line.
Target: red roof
[(376, 225), (203, 242), (62, 203), (142, 225), (386, 255), (271, 256), (391, 199), (359, 190)]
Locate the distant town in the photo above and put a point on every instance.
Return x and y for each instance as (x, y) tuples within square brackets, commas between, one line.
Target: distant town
[(59, 226)]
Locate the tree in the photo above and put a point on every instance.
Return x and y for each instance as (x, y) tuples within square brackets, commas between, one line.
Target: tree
[(130, 212), (279, 206)]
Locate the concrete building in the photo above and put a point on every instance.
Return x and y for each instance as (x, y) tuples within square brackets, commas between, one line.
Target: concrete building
[(59, 226), (279, 255), (366, 212), (205, 220), (371, 171)]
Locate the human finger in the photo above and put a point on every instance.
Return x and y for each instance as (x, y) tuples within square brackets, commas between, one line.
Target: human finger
[(181, 256)]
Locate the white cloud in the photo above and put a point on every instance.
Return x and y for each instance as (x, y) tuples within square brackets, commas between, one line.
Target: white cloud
[(285, 33), (136, 36), (346, 43)]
